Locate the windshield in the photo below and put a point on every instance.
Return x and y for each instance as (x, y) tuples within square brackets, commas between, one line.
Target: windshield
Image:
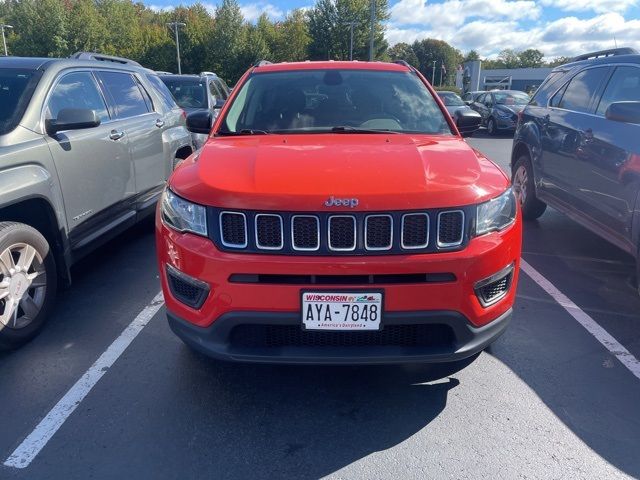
[(321, 101), (450, 99), (188, 92), (511, 98), (16, 87)]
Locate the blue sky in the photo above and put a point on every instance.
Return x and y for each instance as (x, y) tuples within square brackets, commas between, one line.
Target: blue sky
[(556, 27)]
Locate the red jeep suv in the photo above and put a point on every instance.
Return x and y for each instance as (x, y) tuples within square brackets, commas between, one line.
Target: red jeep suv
[(336, 215)]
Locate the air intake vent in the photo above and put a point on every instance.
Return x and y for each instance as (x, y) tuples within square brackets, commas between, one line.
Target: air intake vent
[(415, 230), (492, 289), (378, 232), (342, 233), (305, 234), (190, 291), (269, 232), (450, 228), (233, 228)]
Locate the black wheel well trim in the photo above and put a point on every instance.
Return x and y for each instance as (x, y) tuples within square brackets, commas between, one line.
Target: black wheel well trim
[(183, 152), (44, 221)]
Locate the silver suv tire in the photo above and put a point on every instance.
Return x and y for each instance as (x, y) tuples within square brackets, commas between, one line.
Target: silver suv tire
[(28, 283)]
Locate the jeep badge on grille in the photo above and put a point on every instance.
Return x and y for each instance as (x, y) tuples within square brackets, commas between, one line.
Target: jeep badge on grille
[(341, 202)]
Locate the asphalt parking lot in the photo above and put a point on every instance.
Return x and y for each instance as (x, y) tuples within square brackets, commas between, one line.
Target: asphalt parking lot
[(550, 399)]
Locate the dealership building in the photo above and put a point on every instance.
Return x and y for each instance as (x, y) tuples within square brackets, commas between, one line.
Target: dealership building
[(471, 77)]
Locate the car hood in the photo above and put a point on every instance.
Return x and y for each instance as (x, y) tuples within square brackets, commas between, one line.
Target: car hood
[(300, 172), (513, 109), (454, 108)]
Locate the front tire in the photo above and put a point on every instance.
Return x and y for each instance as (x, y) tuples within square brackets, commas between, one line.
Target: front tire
[(28, 283), (523, 185)]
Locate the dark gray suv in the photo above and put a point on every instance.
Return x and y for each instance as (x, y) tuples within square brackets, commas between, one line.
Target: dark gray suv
[(86, 145), (577, 147)]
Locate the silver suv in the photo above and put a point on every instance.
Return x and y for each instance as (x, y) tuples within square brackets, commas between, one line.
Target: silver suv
[(86, 145)]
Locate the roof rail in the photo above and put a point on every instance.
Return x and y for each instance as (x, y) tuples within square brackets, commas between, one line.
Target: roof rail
[(605, 53), (262, 63), (103, 58), (402, 62), (202, 74)]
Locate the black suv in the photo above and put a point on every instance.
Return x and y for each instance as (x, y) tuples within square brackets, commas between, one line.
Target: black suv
[(577, 146)]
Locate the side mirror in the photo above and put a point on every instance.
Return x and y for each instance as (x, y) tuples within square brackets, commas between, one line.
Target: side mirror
[(72, 119), (219, 103), (468, 121), (200, 122), (468, 102), (626, 112)]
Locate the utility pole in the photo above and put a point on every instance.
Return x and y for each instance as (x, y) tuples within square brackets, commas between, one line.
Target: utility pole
[(4, 40), (441, 66), (373, 28), (176, 26), (351, 25), (433, 73)]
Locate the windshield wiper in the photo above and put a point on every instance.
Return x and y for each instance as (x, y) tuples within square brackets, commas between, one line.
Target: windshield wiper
[(245, 131), (349, 129)]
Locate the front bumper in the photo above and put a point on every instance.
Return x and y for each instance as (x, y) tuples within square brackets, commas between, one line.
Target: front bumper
[(219, 341)]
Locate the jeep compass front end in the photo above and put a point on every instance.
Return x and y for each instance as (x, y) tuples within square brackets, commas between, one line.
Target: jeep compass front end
[(336, 215)]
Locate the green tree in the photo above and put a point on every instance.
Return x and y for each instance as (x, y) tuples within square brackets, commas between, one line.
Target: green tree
[(558, 61), (330, 35), (471, 56), (403, 51), (225, 46), (432, 54), (40, 28), (530, 58), (291, 38), (509, 58), (87, 29)]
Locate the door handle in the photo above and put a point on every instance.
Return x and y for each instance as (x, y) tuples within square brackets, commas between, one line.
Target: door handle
[(159, 123), (116, 135)]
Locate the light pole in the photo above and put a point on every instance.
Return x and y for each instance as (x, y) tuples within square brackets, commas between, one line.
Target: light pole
[(351, 25), (4, 40), (433, 74), (373, 22), (176, 26)]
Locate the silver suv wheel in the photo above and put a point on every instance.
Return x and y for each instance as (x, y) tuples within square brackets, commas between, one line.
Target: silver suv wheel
[(23, 284)]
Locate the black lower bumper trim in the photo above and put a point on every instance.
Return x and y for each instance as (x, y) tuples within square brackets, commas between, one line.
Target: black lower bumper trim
[(220, 340)]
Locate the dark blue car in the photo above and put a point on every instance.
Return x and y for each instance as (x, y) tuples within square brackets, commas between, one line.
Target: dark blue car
[(577, 146)]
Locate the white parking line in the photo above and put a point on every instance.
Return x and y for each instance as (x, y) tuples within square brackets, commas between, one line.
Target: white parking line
[(38, 438), (599, 333)]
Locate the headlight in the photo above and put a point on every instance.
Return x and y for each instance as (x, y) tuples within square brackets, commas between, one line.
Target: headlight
[(182, 215), (496, 214)]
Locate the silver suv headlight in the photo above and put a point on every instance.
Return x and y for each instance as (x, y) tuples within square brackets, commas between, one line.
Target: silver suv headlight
[(182, 215), (496, 214)]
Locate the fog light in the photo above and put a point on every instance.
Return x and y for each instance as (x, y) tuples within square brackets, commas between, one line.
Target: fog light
[(188, 290), (492, 289)]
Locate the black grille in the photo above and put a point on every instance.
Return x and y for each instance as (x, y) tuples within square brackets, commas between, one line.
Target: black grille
[(450, 228), (379, 232), (342, 233), (306, 232), (491, 292), (273, 336), (234, 229), (415, 230), (383, 279), (269, 231), (187, 290)]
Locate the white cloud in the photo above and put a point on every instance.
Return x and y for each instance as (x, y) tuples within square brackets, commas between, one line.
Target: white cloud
[(598, 6), (160, 8), (252, 11), (453, 13), (563, 37)]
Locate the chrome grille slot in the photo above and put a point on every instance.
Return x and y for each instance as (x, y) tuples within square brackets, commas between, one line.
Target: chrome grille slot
[(305, 233), (450, 228), (415, 230), (269, 232), (342, 233), (233, 229), (378, 232)]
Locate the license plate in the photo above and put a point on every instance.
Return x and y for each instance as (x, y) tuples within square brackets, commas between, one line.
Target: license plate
[(341, 310)]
